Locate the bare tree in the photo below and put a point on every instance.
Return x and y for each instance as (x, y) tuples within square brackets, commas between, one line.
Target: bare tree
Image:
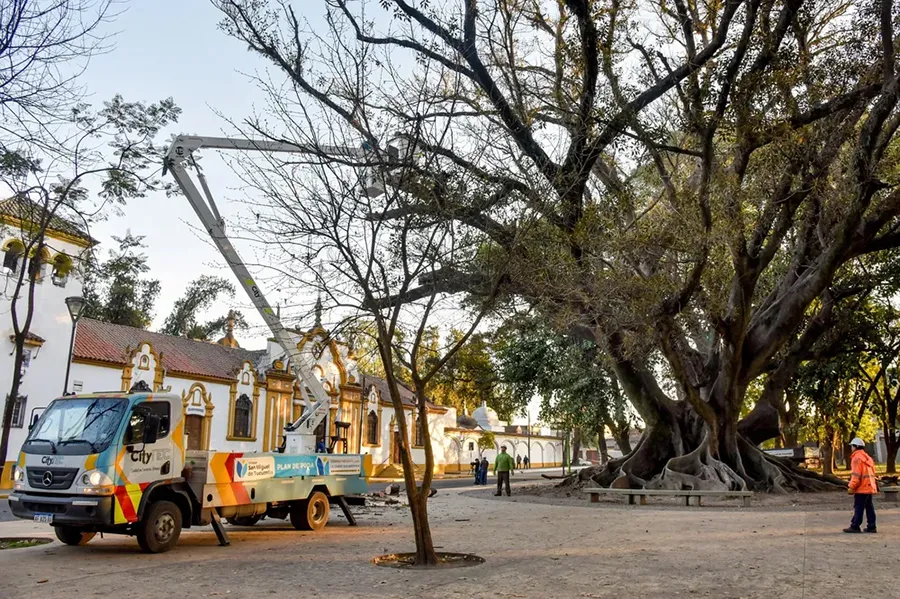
[(45, 45), (113, 149), (325, 214), (317, 218), (679, 181)]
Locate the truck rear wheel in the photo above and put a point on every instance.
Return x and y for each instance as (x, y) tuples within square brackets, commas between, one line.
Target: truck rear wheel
[(71, 535), (160, 528), (311, 513)]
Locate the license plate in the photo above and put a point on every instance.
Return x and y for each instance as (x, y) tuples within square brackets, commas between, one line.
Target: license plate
[(43, 518)]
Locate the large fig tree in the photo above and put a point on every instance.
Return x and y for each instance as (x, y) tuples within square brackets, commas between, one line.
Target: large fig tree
[(672, 179)]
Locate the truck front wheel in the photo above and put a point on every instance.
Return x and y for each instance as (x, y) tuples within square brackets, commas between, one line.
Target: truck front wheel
[(312, 513), (158, 532), (71, 535)]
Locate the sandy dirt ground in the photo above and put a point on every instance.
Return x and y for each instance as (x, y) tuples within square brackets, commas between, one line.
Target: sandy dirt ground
[(534, 546)]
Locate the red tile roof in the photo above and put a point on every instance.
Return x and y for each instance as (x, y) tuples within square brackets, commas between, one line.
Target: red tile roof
[(105, 342), (30, 212)]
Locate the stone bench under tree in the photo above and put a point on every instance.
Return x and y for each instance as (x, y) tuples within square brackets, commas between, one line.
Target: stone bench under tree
[(891, 494), (691, 496)]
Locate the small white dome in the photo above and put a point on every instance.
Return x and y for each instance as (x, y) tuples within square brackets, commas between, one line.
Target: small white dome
[(486, 417)]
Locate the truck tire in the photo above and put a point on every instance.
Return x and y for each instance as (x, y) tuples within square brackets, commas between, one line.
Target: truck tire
[(71, 535), (245, 520), (311, 513), (158, 532)]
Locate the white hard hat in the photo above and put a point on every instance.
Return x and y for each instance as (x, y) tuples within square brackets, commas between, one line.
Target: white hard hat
[(857, 442)]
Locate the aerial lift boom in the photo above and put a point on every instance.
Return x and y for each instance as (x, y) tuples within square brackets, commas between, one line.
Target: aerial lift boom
[(300, 435)]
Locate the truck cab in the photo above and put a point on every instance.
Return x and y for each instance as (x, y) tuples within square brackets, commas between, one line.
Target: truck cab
[(91, 462)]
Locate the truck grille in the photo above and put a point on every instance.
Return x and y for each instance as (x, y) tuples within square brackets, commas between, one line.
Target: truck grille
[(45, 508), (59, 478)]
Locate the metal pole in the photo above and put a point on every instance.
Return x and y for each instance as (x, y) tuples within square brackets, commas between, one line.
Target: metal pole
[(69, 362), (563, 461), (362, 412), (529, 436)]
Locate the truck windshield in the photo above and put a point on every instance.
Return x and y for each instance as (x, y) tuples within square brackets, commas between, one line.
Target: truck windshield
[(77, 426)]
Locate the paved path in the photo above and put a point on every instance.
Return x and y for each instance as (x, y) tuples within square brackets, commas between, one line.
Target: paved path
[(533, 550)]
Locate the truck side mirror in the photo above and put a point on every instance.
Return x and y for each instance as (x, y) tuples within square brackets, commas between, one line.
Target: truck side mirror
[(151, 429)]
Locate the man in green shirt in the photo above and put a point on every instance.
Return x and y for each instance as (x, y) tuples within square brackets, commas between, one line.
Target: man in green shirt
[(503, 467)]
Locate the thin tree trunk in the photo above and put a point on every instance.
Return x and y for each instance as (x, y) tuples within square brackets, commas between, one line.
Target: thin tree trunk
[(576, 446), (20, 331), (828, 452), (601, 444), (425, 554), (892, 444)]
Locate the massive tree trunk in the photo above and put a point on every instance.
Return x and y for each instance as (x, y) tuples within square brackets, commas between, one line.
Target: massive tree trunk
[(700, 445)]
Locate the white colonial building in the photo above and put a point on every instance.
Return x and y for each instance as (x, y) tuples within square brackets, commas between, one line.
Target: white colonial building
[(542, 446)]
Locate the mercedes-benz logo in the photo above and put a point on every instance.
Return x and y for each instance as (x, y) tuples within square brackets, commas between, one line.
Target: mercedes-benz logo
[(48, 478)]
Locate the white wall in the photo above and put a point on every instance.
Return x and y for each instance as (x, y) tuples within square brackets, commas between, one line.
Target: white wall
[(43, 380)]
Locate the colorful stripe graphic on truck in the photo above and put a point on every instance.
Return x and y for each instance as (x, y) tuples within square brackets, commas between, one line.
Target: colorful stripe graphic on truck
[(128, 501)]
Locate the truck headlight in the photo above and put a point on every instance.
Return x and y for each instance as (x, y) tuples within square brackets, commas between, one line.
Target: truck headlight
[(96, 482), (18, 474)]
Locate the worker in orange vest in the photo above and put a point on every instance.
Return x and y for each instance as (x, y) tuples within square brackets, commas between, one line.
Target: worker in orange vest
[(862, 487)]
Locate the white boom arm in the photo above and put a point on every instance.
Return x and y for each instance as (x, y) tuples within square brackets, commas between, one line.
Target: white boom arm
[(181, 152)]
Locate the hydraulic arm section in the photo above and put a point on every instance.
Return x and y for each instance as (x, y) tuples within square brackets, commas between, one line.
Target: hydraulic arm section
[(300, 435)]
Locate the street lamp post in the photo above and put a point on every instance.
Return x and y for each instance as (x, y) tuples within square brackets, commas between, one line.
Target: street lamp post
[(75, 304), (529, 436)]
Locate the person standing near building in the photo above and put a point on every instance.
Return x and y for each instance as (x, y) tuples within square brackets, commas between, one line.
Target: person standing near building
[(503, 467), (518, 462), (483, 468), (862, 487), (527, 462)]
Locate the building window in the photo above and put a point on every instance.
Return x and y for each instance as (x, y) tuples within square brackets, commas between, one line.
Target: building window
[(372, 428), (471, 445), (242, 409), (12, 252), (62, 266), (18, 411)]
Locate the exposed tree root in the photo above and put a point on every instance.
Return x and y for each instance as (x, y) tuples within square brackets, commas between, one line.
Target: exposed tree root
[(698, 470), (658, 462)]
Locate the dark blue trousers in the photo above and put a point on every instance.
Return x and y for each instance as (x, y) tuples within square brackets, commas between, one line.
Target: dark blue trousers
[(863, 502)]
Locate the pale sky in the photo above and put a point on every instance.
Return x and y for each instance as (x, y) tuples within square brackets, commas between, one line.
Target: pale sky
[(174, 48)]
